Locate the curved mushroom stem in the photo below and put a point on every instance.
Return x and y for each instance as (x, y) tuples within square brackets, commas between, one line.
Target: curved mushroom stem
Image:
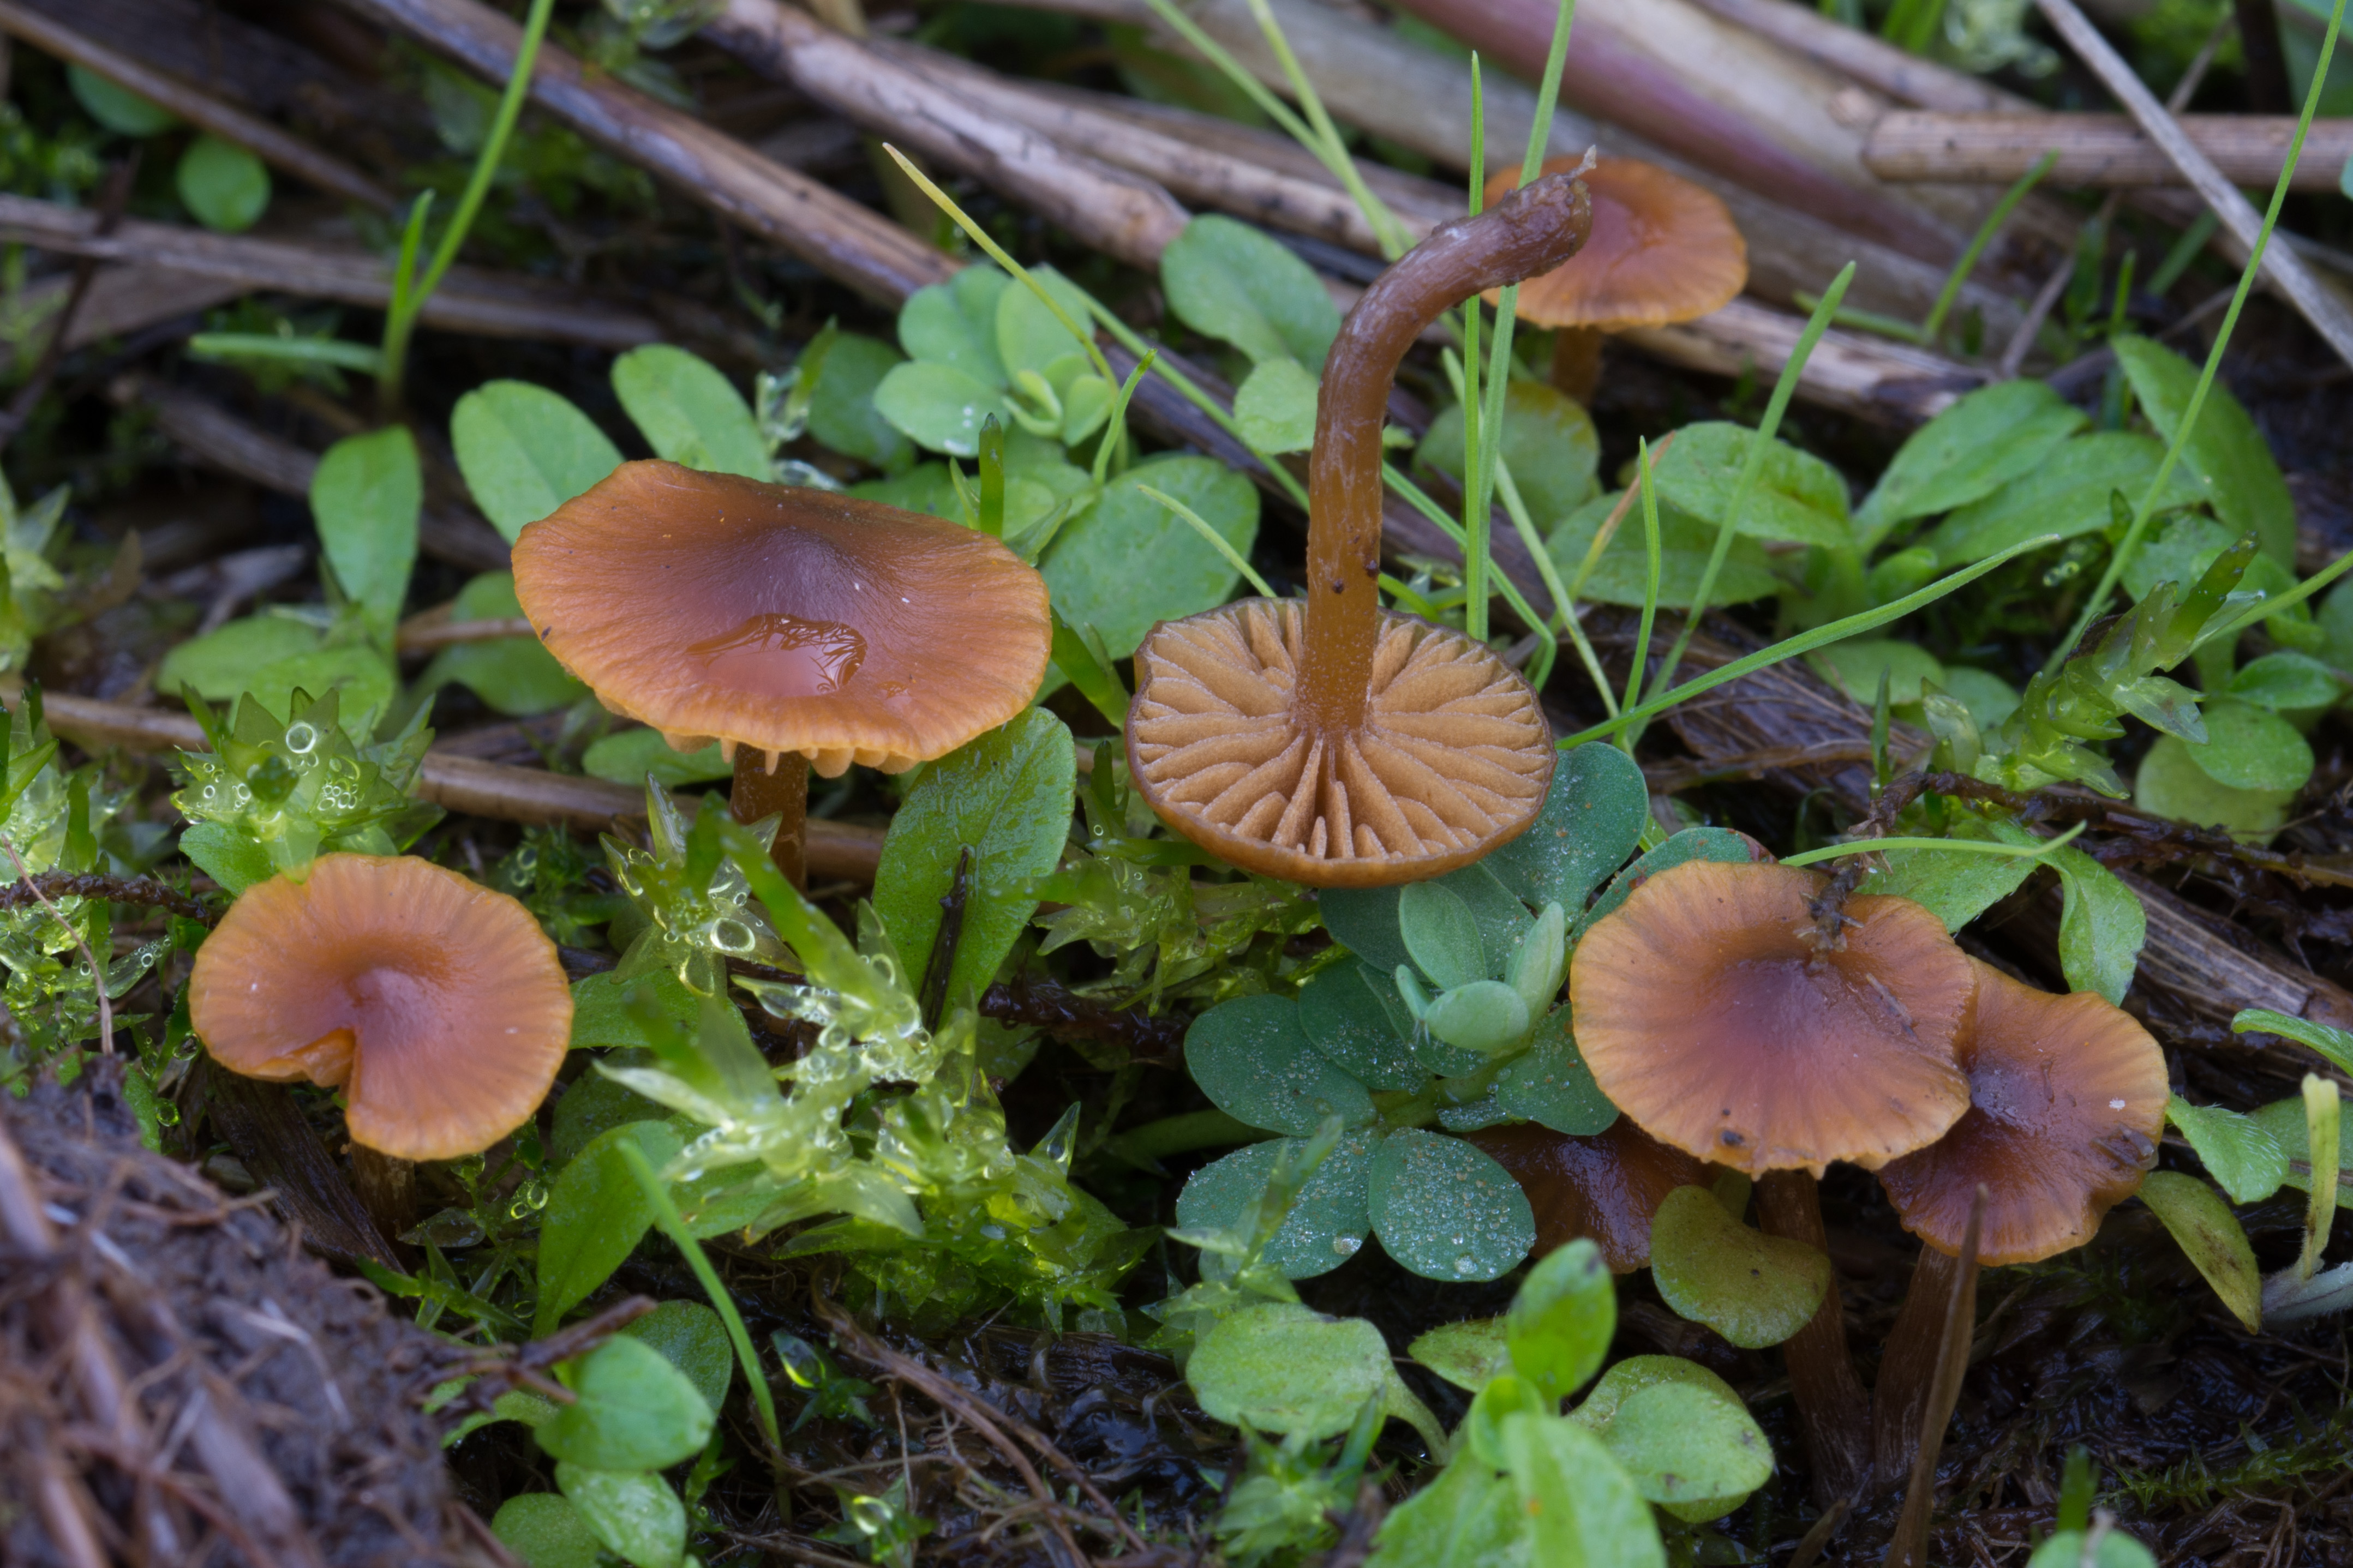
[(1822, 1378), (1533, 230), (1920, 1381), (1577, 362), (759, 793)]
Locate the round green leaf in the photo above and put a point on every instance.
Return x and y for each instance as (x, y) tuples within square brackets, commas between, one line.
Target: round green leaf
[(1469, 1516), (1486, 1017), (1754, 1290), (516, 675), (365, 497), (1345, 1018), (1441, 935), (545, 1531), (1234, 283), (1325, 1226), (1855, 668), (525, 451), (1577, 1506), (1028, 335), (1252, 1060), (1561, 1321), (1283, 1368), (629, 757), (1445, 1211), (118, 109), (955, 324), (1984, 440), (2238, 1151), (1127, 561), (364, 677), (1549, 441), (1364, 921), (1551, 1084), (636, 1516), (2067, 1548), (2211, 1235), (596, 1216), (1989, 698), (2249, 748), (2171, 784), (1621, 575), (1796, 497), (227, 187), (1591, 821), (1469, 1354), (692, 1338), (2066, 494), (2286, 681), (841, 412), (940, 407), (221, 664), (635, 1411), (1275, 408), (688, 412), (1681, 1432)]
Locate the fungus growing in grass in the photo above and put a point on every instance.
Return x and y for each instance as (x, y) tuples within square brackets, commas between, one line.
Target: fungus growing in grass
[(1664, 251), (1333, 743), (436, 1005), (1605, 1188), (2067, 1099), (795, 627), (1753, 1015)]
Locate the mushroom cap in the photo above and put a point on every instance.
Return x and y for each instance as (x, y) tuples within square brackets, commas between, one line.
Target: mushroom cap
[(437, 1005), (1452, 759), (786, 619), (1708, 1015), (1662, 250), (2067, 1101), (1607, 1186)]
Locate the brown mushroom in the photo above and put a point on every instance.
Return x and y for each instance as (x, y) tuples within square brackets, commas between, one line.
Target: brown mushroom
[(795, 627), (1664, 251), (1753, 1015), (2067, 1098), (1712, 1013), (1605, 1188), (436, 1005), (1333, 743)]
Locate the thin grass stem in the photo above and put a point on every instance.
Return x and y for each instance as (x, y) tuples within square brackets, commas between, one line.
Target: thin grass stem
[(1216, 540), (1959, 276)]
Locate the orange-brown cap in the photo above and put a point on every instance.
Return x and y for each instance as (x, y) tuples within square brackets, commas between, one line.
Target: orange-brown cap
[(436, 1005), (2067, 1099), (1662, 250), (786, 619), (1711, 1013), (1605, 1188), (1451, 758)]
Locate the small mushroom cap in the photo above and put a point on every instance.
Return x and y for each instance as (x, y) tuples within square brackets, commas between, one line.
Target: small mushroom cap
[(1709, 1014), (2067, 1099), (1452, 759), (437, 1005), (782, 619), (1608, 1187), (1663, 250)]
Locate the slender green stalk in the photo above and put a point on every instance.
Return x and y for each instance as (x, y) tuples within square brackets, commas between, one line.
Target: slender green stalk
[(1806, 642), (1115, 429), (1968, 264), (294, 351), (666, 1215), (2120, 557), (1525, 526), (1961, 846), (1396, 240), (1783, 390), (1650, 581), (1216, 540), (400, 323), (1126, 337), (1419, 501), (1465, 377), (997, 253)]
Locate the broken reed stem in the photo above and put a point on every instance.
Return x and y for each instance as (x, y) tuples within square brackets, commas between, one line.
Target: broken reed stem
[(96, 975)]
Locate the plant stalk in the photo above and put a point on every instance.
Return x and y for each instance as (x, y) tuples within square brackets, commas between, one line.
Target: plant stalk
[(782, 791), (1835, 1412)]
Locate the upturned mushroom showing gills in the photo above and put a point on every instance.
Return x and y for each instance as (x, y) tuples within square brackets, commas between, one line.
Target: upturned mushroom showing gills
[(1711, 1010), (436, 1005), (795, 627), (1330, 741), (2067, 1099), (1664, 251)]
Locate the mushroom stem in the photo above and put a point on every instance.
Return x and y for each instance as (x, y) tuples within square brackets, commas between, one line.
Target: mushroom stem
[(386, 1186), (1577, 362), (1920, 1381), (783, 791), (1531, 231), (1822, 1378)]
